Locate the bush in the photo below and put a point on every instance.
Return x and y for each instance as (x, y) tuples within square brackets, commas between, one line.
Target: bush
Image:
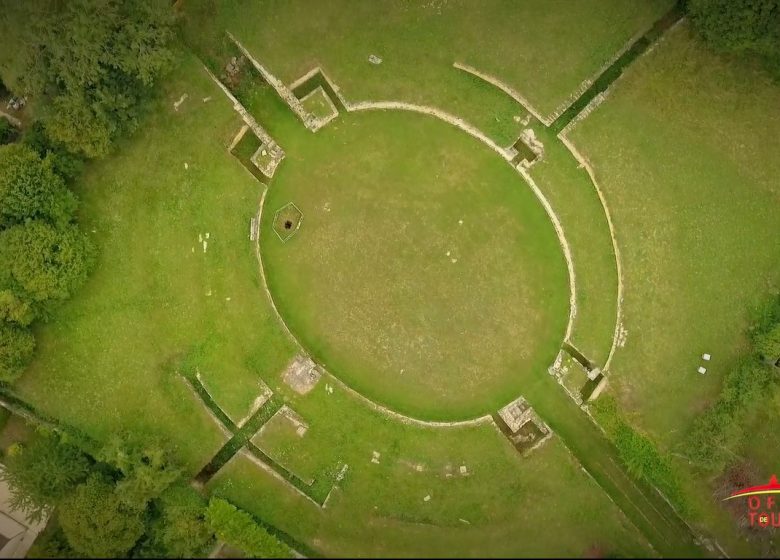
[(13, 309), (179, 528), (239, 529), (147, 469), (65, 163), (768, 344), (52, 543), (17, 345), (639, 453)]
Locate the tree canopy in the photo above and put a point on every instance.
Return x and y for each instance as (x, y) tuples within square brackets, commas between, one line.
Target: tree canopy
[(147, 468), (97, 523), (16, 350), (113, 52), (741, 26), (42, 472), (31, 189), (42, 262)]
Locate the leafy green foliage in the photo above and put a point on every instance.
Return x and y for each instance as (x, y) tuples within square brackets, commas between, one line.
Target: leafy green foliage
[(741, 26), (43, 256), (123, 499), (239, 529), (97, 523), (41, 262), (8, 131), (13, 309), (147, 469), (638, 452), (43, 472), (16, 350), (52, 543), (97, 78), (64, 162), (768, 344), (179, 528), (30, 189)]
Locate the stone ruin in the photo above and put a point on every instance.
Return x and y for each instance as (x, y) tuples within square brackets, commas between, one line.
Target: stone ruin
[(526, 430), (582, 383), (232, 74), (16, 103), (527, 150), (302, 374)]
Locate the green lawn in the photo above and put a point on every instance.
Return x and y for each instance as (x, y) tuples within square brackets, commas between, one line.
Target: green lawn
[(576, 203), (691, 181), (528, 45), (425, 274)]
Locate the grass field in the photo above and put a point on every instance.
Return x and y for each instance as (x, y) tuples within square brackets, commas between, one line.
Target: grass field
[(692, 185), (426, 274), (571, 193), (158, 302)]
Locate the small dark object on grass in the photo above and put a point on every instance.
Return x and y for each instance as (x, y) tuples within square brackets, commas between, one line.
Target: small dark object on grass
[(287, 224)]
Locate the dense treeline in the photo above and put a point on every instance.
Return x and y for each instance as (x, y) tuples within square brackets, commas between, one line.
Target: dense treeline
[(718, 432), (87, 89), (129, 498), (44, 257), (749, 27)]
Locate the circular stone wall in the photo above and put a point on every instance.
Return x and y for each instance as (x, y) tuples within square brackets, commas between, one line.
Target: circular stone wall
[(424, 272)]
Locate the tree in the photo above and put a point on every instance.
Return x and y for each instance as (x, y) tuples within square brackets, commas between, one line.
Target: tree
[(41, 262), (95, 59), (147, 469), (30, 189), (42, 472), (65, 163), (16, 351), (97, 523), (740, 26)]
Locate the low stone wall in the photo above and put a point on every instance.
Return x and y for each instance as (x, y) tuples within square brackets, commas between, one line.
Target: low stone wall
[(286, 94)]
